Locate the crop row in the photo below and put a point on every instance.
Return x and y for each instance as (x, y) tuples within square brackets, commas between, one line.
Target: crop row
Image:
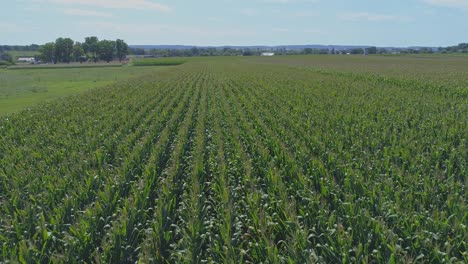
[(231, 162)]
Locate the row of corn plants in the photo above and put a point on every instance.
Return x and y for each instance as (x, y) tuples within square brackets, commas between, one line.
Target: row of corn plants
[(231, 161)]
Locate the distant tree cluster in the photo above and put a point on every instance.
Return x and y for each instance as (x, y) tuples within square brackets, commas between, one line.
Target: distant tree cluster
[(227, 51), (65, 50), (210, 51), (195, 51), (6, 58), (462, 48), (423, 50), (6, 48)]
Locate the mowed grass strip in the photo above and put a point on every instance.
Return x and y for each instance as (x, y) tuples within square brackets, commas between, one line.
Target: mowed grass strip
[(25, 88)]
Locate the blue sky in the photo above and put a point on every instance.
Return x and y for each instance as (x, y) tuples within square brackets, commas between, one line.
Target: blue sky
[(238, 22)]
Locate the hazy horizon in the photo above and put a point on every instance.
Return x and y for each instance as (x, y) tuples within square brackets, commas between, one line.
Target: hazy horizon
[(397, 23)]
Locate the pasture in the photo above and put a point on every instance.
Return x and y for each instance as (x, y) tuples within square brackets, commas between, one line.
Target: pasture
[(22, 88)]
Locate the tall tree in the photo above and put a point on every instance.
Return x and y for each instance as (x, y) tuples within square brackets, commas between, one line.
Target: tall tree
[(58, 50), (372, 50), (64, 50), (6, 57), (48, 52), (78, 52), (106, 50), (90, 46), (195, 51), (121, 49), (308, 51)]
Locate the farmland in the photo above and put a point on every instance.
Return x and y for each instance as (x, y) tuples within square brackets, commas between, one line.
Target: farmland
[(24, 88), (158, 62), (233, 160)]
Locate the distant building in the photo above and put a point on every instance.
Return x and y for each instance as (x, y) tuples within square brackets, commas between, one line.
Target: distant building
[(268, 54), (26, 59)]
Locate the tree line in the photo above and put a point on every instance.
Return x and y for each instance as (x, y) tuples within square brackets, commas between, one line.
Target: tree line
[(461, 48), (65, 50), (227, 51), (32, 47)]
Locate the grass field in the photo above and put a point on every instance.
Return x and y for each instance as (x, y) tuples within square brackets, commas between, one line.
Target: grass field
[(28, 66), (243, 160), (22, 88)]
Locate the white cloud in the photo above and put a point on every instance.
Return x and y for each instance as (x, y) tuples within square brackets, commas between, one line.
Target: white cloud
[(307, 14), (214, 19), (33, 8), (296, 30), (83, 12), (162, 30), (313, 31), (364, 16), (117, 4), (289, 1), (448, 3), (281, 30), (279, 1), (9, 27), (248, 12)]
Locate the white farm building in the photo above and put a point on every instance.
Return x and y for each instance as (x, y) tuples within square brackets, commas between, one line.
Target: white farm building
[(268, 54), (26, 59)]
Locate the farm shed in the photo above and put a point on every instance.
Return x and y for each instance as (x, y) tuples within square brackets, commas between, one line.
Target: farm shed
[(26, 59)]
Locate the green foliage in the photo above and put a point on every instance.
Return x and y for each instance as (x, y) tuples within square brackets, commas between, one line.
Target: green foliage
[(158, 62), (106, 49), (78, 52), (4, 63), (91, 46), (240, 161), (461, 48), (6, 58), (48, 53), (121, 49), (64, 50)]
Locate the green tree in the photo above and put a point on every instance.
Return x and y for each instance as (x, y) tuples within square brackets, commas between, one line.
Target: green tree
[(64, 50), (6, 57), (48, 52), (106, 50), (308, 51), (90, 46), (121, 49), (195, 51), (372, 50), (78, 52), (357, 51), (247, 53)]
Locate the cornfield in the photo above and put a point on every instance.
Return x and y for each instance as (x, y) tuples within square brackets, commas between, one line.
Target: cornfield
[(229, 161)]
